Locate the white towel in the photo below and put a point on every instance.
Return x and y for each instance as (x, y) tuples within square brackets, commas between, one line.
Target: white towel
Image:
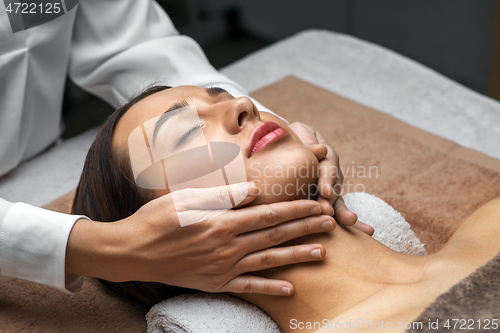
[(215, 313), (391, 228)]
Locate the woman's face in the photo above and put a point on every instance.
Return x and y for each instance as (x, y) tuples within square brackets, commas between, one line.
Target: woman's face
[(274, 158)]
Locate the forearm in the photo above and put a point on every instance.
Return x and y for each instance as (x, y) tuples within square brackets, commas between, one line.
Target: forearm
[(96, 249)]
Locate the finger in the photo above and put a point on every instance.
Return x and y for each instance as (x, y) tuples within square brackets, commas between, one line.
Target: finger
[(364, 227), (305, 133), (264, 239), (342, 214), (326, 206), (279, 256), (222, 197), (320, 151), (247, 194), (337, 187), (258, 285), (328, 176), (332, 173), (329, 161), (321, 139), (264, 216)]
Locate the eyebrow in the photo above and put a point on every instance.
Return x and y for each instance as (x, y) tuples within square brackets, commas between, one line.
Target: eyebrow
[(214, 91), (170, 113), (167, 115)]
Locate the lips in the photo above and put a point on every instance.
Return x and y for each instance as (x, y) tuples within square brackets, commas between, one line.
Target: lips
[(264, 135)]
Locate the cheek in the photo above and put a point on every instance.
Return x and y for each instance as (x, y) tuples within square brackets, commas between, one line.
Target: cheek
[(287, 174)]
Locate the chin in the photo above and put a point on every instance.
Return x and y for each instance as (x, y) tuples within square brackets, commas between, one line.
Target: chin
[(284, 175)]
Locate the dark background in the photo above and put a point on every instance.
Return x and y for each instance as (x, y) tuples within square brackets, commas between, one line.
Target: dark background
[(457, 38)]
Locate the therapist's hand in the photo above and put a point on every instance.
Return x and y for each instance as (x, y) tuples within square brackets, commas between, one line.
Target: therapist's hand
[(330, 177), (213, 255)]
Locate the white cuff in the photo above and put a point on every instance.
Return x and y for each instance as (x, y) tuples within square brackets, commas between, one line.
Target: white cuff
[(33, 246)]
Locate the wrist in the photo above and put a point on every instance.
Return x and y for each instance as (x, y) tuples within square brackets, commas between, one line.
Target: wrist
[(93, 249)]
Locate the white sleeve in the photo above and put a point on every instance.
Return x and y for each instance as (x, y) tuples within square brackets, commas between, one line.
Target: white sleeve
[(119, 48), (33, 245)]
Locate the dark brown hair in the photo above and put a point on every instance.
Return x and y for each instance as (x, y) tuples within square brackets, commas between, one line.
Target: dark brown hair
[(107, 192)]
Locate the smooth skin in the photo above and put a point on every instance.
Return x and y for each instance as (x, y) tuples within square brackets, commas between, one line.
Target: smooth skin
[(150, 246), (362, 279), (210, 256)]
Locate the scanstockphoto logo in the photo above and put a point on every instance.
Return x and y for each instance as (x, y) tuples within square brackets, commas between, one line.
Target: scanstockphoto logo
[(27, 14), (170, 152)]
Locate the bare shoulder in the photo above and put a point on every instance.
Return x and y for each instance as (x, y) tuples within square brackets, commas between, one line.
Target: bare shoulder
[(393, 308), (475, 242), (478, 238)]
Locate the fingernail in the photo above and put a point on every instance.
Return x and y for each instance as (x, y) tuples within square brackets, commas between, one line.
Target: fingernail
[(316, 210), (316, 253), (246, 190), (286, 290), (327, 225)]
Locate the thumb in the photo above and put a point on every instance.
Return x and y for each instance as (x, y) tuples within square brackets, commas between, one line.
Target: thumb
[(319, 150), (307, 136), (211, 198)]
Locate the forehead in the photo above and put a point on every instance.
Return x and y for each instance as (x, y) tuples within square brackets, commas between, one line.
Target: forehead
[(152, 106)]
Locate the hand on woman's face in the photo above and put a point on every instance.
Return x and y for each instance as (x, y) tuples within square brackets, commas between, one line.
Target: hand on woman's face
[(281, 166)]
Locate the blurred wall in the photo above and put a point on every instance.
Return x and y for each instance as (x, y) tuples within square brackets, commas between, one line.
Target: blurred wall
[(453, 37)]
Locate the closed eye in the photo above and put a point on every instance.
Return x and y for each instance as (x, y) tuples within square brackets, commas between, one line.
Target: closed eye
[(182, 140)]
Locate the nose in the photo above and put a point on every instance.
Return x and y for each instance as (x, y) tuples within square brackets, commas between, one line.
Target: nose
[(240, 112)]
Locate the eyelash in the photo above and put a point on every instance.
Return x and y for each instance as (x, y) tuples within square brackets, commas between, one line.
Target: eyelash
[(188, 133)]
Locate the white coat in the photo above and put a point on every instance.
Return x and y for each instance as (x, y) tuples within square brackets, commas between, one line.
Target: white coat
[(113, 49)]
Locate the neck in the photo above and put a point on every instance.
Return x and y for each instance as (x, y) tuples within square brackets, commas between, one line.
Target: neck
[(356, 267)]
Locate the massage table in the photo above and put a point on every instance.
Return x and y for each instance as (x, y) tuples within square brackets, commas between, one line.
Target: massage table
[(349, 67)]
